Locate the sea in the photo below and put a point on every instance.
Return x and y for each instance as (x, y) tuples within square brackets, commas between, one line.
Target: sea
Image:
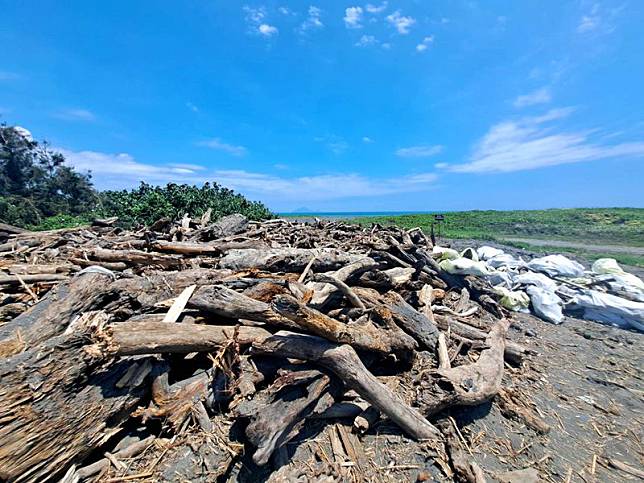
[(348, 214)]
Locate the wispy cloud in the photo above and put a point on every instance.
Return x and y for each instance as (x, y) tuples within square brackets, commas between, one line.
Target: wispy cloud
[(366, 41), (425, 43), (122, 171), (422, 151), (353, 17), (75, 115), (256, 21), (192, 107), (401, 22), (286, 11), (313, 21), (219, 145), (367, 140), (540, 96), (376, 8), (590, 21), (530, 143)]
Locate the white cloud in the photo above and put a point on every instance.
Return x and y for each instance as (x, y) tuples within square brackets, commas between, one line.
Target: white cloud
[(376, 8), (75, 115), (422, 151), (254, 16), (441, 165), (366, 40), (591, 21), (425, 43), (540, 96), (353, 17), (285, 11), (367, 140), (192, 107), (313, 21), (267, 30), (400, 22), (527, 143), (123, 171), (385, 45), (218, 144)]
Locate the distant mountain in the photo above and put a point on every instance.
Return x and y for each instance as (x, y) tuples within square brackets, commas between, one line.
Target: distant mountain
[(303, 209)]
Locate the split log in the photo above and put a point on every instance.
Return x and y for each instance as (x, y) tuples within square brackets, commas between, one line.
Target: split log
[(343, 361), (58, 404), (150, 337), (286, 259), (365, 335), (52, 315)]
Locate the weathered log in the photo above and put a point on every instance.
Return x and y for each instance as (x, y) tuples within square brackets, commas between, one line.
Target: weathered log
[(323, 292), (279, 412), (343, 287), (513, 352), (134, 257), (150, 337), (405, 316), (211, 248), (225, 302), (343, 361), (58, 404), (52, 314), (286, 259), (130, 451), (31, 278), (365, 335)]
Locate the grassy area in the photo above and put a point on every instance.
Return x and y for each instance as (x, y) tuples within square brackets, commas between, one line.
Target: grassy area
[(616, 226), (623, 258)]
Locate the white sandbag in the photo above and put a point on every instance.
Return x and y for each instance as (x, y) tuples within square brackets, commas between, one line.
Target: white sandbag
[(545, 304), (470, 253), (557, 266), (624, 285), (505, 261), (514, 300), (504, 279), (607, 308), (485, 252), (464, 266), (606, 265), (536, 279), (444, 253)]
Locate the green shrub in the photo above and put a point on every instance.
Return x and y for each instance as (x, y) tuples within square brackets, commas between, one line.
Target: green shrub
[(146, 204)]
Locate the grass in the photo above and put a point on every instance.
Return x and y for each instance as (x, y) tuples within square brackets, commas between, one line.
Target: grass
[(615, 226), (594, 226)]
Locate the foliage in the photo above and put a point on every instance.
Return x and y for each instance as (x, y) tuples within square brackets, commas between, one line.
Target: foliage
[(39, 191), (147, 203), (35, 183)]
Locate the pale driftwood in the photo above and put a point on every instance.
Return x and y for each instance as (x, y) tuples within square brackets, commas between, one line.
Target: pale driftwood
[(323, 292), (286, 259), (365, 336), (32, 278), (426, 298), (134, 257), (53, 314), (130, 451), (441, 351), (405, 316), (63, 407), (210, 248), (343, 287), (149, 337), (179, 304), (343, 361)]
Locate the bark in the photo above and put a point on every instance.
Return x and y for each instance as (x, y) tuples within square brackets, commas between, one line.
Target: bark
[(134, 257), (58, 404), (52, 314), (343, 361), (211, 248)]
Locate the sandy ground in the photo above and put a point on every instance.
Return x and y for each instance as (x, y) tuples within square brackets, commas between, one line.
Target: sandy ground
[(585, 246)]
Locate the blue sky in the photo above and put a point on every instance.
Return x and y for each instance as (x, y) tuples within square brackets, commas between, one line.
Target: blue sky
[(340, 106)]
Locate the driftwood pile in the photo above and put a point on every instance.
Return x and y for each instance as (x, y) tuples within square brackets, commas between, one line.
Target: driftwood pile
[(174, 352)]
